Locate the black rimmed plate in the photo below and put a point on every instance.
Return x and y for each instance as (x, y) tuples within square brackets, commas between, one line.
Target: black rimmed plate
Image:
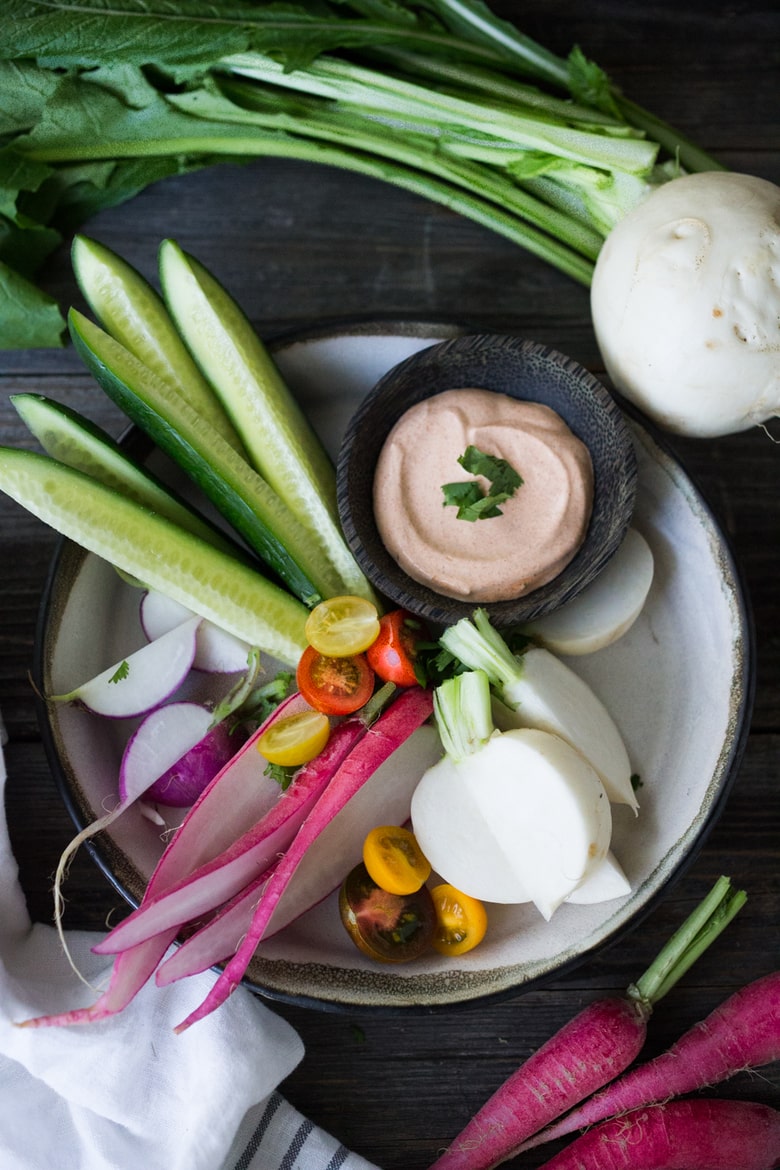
[(678, 684)]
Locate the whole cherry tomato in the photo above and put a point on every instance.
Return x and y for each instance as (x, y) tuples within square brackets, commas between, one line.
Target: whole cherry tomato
[(393, 652), (334, 686)]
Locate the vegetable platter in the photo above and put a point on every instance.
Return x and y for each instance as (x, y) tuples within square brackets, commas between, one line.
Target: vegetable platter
[(300, 245)]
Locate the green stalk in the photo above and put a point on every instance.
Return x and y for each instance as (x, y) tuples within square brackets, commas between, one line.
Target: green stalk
[(343, 82), (461, 708), (688, 943), (312, 119), (481, 648), (258, 144)]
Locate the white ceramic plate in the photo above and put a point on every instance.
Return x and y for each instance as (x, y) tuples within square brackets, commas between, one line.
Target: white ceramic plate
[(679, 685)]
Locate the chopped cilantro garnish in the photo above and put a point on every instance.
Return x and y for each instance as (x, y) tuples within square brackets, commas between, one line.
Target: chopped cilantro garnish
[(469, 497)]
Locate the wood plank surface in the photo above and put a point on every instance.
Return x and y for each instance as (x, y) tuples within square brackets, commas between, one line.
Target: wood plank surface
[(300, 247)]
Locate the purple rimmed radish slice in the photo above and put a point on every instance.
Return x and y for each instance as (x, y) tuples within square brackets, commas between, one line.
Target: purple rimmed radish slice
[(216, 651), (233, 801), (175, 753), (315, 861), (142, 681), (209, 886)]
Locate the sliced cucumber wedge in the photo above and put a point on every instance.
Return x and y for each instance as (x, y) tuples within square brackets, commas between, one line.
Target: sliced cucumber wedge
[(281, 442), (152, 549), (242, 496), (134, 313), (72, 439)]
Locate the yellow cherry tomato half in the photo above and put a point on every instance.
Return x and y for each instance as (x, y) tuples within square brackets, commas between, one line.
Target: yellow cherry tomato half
[(342, 626), (394, 860), (461, 921), (295, 739)]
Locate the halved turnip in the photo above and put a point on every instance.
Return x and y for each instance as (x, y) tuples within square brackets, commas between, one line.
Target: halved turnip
[(142, 681), (216, 651), (607, 608), (523, 816), (536, 689), (174, 753)]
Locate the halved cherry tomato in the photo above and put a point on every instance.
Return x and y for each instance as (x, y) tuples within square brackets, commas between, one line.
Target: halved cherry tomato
[(388, 927), (335, 686), (394, 859), (342, 626), (461, 921), (295, 740), (393, 652)]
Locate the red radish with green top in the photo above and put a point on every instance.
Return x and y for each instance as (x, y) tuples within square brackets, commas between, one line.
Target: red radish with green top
[(588, 1052), (742, 1033)]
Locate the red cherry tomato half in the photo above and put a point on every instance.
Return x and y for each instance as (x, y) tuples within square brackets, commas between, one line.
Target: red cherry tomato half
[(334, 686), (393, 652)]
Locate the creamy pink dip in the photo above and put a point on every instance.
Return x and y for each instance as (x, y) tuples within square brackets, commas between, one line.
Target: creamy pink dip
[(542, 525)]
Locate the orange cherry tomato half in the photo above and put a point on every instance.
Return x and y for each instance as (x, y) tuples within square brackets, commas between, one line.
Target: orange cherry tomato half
[(461, 921), (394, 860), (393, 652), (334, 686)]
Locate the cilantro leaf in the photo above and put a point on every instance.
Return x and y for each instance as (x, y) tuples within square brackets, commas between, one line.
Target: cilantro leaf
[(469, 497), (121, 672)]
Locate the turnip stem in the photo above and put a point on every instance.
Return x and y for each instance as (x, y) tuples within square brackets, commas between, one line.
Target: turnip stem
[(700, 929), (461, 706)]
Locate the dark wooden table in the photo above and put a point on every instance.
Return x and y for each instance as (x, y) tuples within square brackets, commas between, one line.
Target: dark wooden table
[(300, 246)]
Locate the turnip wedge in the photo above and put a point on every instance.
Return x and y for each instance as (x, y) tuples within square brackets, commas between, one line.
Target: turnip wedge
[(175, 753), (507, 816), (237, 796), (308, 871), (536, 689), (216, 651), (142, 681), (606, 609), (254, 853)]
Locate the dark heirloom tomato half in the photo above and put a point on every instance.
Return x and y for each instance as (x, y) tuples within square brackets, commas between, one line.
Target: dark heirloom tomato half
[(392, 928)]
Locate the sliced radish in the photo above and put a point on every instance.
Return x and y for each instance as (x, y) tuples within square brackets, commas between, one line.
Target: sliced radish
[(143, 680), (208, 886), (174, 753), (524, 816), (604, 611), (284, 898), (222, 813), (217, 651), (549, 695)]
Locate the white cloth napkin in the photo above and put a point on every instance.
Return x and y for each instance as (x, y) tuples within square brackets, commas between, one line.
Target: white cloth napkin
[(127, 1092)]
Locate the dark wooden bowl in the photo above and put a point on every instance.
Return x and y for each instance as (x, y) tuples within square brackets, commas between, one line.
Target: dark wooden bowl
[(524, 370)]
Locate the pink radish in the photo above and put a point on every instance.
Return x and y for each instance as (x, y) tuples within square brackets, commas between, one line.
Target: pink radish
[(216, 650), (206, 888), (407, 713), (225, 810), (742, 1033), (143, 680), (174, 753), (588, 1052), (314, 871), (697, 1134)]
